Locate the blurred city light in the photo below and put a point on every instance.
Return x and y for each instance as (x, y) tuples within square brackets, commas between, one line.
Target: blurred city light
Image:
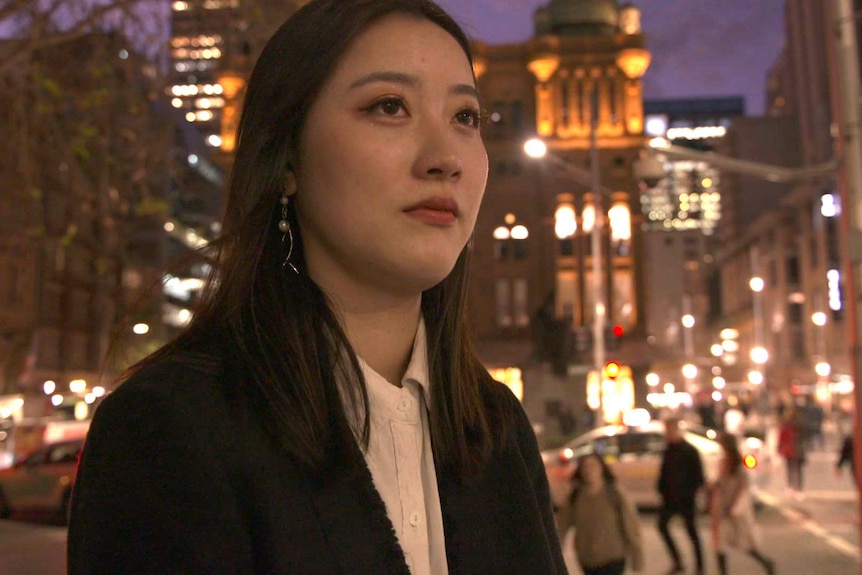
[(756, 284), (759, 355), (77, 385), (535, 148)]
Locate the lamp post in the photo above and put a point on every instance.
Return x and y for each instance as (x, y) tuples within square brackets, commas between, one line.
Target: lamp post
[(822, 367), (758, 353), (536, 148)]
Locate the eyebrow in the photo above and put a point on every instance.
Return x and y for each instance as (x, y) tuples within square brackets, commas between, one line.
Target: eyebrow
[(411, 81)]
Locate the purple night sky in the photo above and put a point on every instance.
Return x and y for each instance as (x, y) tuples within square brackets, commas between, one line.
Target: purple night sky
[(700, 48)]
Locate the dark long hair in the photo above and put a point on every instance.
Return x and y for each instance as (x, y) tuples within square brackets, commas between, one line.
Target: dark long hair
[(577, 477), (280, 326), (733, 457)]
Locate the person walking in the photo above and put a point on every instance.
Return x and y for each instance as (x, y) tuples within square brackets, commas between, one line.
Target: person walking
[(731, 510), (607, 530), (680, 480), (791, 446), (324, 411), (846, 456)]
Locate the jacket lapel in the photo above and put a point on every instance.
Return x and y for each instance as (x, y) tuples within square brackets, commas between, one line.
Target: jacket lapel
[(353, 517)]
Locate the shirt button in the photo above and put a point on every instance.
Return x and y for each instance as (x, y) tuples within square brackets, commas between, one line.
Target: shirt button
[(404, 404), (414, 519)]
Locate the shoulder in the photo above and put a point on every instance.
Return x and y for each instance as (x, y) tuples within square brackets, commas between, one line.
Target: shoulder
[(169, 379), (689, 448), (504, 407), (171, 391)]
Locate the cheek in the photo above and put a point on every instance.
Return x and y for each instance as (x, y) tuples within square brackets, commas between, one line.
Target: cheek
[(477, 179)]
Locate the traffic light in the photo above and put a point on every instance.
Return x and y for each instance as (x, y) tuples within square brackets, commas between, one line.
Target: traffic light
[(613, 335), (612, 369)]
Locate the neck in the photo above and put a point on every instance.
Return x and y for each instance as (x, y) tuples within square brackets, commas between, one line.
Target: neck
[(595, 487), (383, 336)]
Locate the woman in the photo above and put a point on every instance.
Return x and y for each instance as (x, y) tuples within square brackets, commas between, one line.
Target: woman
[(609, 527), (731, 510), (324, 412), (791, 446)]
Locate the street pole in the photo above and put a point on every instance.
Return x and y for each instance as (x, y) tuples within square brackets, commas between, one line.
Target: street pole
[(845, 94), (599, 308)]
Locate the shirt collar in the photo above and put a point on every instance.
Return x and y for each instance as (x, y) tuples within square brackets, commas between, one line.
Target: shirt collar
[(417, 367)]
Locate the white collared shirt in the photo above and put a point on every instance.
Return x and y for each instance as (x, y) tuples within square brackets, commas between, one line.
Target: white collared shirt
[(401, 461)]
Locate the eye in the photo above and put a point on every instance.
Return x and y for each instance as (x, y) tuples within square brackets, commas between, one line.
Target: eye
[(469, 117), (389, 106)]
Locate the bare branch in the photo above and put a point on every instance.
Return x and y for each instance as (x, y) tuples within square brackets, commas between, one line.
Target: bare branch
[(45, 31)]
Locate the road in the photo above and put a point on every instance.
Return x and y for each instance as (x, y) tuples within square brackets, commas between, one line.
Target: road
[(814, 535)]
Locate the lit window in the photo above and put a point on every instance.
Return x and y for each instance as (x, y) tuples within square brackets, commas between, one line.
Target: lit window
[(588, 218), (621, 223), (565, 224), (503, 297), (521, 305), (520, 233)]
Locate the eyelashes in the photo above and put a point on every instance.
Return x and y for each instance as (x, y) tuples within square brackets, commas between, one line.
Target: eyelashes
[(396, 107)]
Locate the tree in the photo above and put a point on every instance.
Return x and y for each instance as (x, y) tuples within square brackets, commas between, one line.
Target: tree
[(37, 25), (84, 165)]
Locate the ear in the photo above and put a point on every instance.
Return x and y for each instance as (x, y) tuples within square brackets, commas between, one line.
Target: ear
[(290, 183)]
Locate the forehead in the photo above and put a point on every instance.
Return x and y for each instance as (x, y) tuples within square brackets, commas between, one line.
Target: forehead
[(404, 43)]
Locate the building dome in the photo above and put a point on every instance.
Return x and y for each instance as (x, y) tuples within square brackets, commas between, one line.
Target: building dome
[(578, 17)]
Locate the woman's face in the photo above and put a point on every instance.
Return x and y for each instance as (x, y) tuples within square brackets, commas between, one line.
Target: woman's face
[(392, 167), (591, 471)]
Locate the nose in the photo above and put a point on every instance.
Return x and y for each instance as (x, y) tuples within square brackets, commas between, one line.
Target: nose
[(438, 157)]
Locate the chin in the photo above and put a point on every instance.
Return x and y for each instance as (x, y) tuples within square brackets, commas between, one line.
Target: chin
[(430, 273)]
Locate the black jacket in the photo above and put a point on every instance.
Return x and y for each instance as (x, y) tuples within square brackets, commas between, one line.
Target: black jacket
[(681, 475), (179, 476)]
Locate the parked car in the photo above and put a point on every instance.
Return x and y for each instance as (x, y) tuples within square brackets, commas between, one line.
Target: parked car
[(634, 454), (42, 482)]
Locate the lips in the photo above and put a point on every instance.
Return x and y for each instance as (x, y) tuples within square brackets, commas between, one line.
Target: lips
[(435, 211)]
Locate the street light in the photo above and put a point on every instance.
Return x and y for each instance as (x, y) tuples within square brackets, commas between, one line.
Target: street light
[(758, 353), (537, 149)]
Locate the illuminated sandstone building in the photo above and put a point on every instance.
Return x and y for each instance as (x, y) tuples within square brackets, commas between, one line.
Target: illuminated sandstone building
[(533, 296)]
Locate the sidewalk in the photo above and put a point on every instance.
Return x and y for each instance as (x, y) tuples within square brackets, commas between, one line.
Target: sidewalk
[(795, 551)]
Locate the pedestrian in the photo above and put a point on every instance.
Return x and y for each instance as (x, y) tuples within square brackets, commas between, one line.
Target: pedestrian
[(734, 419), (731, 510), (607, 530), (791, 446), (846, 456), (324, 411), (680, 480)]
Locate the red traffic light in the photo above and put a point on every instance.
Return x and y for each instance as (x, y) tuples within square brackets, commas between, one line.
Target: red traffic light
[(618, 330), (612, 369)]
